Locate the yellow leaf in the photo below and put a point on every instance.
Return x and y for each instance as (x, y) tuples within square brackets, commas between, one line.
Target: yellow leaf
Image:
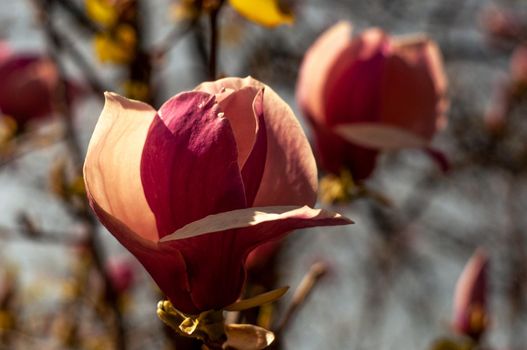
[(257, 300), (247, 337), (265, 12), (101, 11), (117, 47)]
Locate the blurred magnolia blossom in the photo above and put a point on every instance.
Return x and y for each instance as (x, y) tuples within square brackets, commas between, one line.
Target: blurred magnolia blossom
[(369, 93), (122, 273), (509, 90), (518, 65), (193, 188), (29, 86), (502, 23), (470, 314)]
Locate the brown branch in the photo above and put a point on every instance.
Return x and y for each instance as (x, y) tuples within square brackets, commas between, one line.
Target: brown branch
[(214, 45), (82, 213), (303, 290)]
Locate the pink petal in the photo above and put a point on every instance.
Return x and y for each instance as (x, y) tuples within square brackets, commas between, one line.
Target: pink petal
[(243, 107), (338, 72), (287, 149), (413, 87), (112, 165), (215, 261), (257, 217), (379, 136), (189, 163), (353, 88), (5, 51), (518, 64), (258, 259), (471, 290), (238, 108), (290, 175), (164, 263), (334, 154), (316, 66), (253, 168)]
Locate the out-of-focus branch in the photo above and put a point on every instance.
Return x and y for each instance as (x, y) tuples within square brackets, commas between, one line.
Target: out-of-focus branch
[(79, 15), (27, 143), (91, 77), (303, 290), (172, 39), (53, 237), (82, 213), (214, 45)]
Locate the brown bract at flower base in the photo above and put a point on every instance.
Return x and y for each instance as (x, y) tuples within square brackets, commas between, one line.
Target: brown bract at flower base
[(370, 93), (192, 188)]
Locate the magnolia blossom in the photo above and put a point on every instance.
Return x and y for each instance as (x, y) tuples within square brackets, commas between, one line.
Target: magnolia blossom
[(368, 93), (122, 274), (518, 64), (29, 85), (470, 300), (193, 188)]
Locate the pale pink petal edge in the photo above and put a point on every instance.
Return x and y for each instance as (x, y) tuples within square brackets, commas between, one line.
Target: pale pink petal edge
[(112, 166), (381, 137), (250, 217)]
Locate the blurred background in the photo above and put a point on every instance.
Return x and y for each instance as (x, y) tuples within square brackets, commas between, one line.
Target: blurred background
[(390, 278)]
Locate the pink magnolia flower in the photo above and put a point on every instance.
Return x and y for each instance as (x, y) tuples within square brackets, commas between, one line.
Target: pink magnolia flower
[(518, 64), (502, 23), (470, 299), (122, 273), (29, 84), (192, 188), (368, 93)]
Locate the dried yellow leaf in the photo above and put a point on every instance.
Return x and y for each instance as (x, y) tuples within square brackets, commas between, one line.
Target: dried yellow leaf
[(247, 337), (258, 300), (265, 12)]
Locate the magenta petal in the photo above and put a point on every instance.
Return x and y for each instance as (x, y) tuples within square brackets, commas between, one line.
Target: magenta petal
[(471, 294), (215, 248), (216, 273), (353, 90), (189, 164), (253, 168), (335, 154), (164, 263), (238, 108)]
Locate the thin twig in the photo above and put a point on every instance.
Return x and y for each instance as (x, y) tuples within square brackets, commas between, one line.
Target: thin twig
[(214, 46), (303, 290), (171, 40), (23, 145), (95, 83), (79, 15), (75, 150), (54, 237)]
